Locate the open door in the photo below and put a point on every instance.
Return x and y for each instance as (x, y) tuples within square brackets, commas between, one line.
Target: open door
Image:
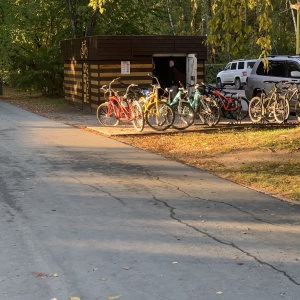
[(186, 64), (191, 71)]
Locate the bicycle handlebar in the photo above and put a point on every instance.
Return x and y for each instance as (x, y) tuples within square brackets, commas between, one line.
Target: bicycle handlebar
[(129, 87), (154, 77), (109, 87)]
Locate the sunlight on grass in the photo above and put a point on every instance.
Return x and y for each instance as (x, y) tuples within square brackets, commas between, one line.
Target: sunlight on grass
[(281, 178), (222, 142), (33, 98)]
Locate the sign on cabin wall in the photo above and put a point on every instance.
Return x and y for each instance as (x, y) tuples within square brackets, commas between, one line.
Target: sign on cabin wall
[(125, 67)]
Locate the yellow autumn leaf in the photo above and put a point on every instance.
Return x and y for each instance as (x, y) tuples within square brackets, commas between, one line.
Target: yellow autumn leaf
[(114, 297), (74, 298)]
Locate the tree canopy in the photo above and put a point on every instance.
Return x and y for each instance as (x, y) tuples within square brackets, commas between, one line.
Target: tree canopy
[(31, 31), (235, 23)]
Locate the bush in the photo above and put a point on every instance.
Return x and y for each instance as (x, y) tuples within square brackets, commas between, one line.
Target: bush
[(211, 71)]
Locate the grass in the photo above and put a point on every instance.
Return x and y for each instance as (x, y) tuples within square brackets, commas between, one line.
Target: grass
[(279, 178), (266, 159), (32, 101)]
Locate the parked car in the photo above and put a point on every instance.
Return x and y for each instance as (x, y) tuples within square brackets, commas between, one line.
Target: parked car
[(235, 73), (280, 68)]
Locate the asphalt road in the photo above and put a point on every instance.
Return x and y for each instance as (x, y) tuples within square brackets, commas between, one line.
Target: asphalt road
[(82, 215)]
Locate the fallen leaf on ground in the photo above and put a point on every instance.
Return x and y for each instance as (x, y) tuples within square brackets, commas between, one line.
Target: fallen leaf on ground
[(40, 274), (114, 297)]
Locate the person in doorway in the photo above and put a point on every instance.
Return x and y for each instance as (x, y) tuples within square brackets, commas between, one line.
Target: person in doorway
[(173, 78)]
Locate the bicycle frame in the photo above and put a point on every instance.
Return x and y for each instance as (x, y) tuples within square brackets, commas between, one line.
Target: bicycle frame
[(226, 102), (181, 95), (119, 105), (269, 99), (293, 90), (151, 97), (157, 113), (197, 99)]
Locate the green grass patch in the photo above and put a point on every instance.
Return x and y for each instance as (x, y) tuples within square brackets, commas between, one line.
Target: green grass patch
[(280, 177)]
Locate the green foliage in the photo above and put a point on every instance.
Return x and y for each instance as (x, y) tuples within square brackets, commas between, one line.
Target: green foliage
[(231, 26), (30, 51), (211, 71), (146, 17)]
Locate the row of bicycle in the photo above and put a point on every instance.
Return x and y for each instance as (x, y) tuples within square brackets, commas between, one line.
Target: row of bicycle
[(275, 105), (157, 109)]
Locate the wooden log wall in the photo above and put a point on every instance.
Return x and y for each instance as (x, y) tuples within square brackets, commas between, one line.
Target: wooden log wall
[(83, 80)]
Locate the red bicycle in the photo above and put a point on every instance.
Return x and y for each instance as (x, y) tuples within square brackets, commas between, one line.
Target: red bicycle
[(125, 108), (233, 105)]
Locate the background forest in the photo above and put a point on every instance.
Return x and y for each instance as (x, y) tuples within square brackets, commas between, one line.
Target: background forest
[(31, 31)]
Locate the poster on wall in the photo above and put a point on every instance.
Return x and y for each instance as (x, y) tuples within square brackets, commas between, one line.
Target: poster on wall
[(125, 67)]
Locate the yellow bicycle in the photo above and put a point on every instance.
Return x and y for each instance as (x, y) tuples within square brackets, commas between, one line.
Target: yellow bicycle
[(158, 113)]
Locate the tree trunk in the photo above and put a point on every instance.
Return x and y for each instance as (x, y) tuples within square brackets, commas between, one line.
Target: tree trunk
[(72, 18), (170, 17)]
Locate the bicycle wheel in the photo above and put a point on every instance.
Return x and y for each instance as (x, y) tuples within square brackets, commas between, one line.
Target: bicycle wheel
[(269, 115), (281, 109), (224, 112), (297, 110), (240, 109), (106, 116), (255, 109), (184, 115), (209, 111), (159, 116), (138, 116)]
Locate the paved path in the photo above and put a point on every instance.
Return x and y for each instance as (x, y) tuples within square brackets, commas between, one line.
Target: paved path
[(84, 215)]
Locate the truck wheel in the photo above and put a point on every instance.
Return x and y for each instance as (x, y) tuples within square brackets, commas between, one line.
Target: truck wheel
[(238, 84), (219, 83)]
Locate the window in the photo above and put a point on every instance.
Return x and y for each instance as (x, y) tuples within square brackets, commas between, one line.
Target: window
[(233, 66), (275, 68), (227, 67), (292, 66), (241, 65), (250, 64)]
